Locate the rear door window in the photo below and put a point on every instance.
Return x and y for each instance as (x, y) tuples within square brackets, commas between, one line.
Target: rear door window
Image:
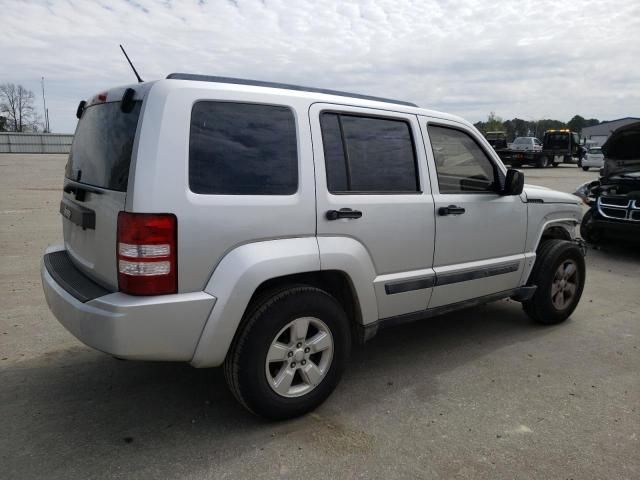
[(102, 146), (368, 154), (242, 149)]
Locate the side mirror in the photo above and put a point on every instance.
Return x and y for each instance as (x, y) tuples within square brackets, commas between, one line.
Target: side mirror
[(513, 183)]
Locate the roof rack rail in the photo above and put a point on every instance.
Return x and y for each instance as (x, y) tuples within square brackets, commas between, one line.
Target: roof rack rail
[(284, 86)]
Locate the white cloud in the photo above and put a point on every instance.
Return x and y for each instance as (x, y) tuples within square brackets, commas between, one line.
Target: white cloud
[(527, 59)]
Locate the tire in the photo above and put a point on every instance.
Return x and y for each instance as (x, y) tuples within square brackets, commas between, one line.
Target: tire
[(555, 164), (558, 291), (269, 327), (587, 231), (586, 169), (542, 161)]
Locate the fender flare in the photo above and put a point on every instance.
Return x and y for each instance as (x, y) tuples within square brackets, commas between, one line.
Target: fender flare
[(248, 266), (567, 223)]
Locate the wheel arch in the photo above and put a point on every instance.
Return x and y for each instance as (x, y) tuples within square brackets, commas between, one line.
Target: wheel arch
[(555, 224), (248, 272)]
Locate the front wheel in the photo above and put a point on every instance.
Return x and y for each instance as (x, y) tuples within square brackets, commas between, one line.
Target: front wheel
[(559, 274), (586, 169), (587, 231), (290, 354)]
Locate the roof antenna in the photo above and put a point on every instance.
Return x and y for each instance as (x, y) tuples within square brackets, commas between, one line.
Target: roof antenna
[(132, 67)]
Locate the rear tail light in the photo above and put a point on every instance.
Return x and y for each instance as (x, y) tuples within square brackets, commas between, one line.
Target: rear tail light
[(147, 255)]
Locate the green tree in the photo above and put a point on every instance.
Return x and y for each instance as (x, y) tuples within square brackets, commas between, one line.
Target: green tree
[(494, 123), (577, 123)]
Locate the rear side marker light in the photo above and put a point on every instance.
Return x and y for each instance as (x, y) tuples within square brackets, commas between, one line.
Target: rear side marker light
[(147, 253)]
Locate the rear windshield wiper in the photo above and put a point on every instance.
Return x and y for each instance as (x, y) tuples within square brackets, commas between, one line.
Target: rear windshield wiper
[(80, 190)]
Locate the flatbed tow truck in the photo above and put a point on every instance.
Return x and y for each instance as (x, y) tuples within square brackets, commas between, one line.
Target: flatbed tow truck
[(558, 146)]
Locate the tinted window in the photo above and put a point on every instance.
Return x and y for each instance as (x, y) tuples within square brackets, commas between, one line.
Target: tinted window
[(334, 158), (102, 146), (556, 140), (364, 154), (240, 148), (461, 165)]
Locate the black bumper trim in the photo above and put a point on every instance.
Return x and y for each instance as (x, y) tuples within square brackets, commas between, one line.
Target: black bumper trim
[(72, 280)]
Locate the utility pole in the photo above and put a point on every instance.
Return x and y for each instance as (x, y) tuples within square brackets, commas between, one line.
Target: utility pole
[(45, 111)]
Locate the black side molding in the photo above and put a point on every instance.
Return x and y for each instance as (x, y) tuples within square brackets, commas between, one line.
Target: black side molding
[(409, 285), (81, 216), (392, 288), (448, 278)]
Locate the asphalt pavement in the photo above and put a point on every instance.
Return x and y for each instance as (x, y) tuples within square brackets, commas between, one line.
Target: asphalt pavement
[(481, 393)]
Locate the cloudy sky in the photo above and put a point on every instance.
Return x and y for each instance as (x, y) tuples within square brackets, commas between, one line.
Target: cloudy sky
[(531, 59)]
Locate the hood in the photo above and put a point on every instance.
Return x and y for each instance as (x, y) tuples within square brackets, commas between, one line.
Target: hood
[(622, 150), (536, 194)]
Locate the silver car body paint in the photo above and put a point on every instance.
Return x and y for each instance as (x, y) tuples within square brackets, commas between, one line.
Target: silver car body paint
[(228, 245)]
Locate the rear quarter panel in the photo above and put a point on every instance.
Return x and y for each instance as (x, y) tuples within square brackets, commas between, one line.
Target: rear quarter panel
[(209, 226)]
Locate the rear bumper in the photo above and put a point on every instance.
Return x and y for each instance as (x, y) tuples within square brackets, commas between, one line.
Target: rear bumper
[(592, 163), (163, 327)]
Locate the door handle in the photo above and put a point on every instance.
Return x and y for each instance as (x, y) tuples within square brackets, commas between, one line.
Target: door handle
[(343, 213), (451, 210)]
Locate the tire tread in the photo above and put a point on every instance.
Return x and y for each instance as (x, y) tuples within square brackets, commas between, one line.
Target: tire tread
[(255, 311)]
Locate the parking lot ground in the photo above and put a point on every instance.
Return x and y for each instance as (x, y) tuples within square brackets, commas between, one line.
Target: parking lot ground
[(481, 393)]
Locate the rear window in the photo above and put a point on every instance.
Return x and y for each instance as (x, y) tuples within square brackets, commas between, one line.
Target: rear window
[(557, 140), (522, 141), (102, 146), (595, 151), (242, 149)]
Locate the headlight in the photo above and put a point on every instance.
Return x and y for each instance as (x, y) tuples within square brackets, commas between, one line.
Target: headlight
[(583, 192)]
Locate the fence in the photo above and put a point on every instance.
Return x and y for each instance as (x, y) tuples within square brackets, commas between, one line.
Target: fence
[(35, 143)]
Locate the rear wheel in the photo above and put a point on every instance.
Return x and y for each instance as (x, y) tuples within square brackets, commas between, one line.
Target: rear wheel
[(586, 169), (555, 164), (542, 161), (290, 354), (559, 274)]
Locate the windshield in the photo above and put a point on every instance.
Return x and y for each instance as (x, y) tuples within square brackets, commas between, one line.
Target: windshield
[(102, 146), (521, 140)]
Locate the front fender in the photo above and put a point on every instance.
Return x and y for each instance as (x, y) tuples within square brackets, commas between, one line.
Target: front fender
[(542, 217), (235, 280)]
